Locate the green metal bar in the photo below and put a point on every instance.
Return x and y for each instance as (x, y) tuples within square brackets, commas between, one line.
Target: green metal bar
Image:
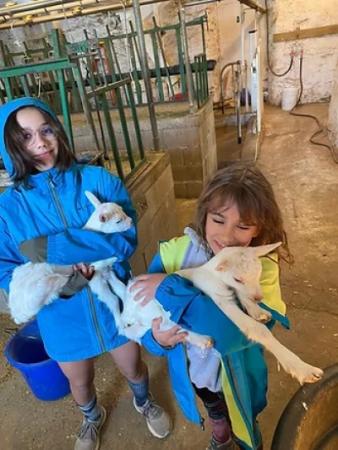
[(197, 80), (205, 74), (43, 66), (135, 119), (65, 107), (92, 84), (8, 89), (181, 61), (111, 135), (25, 87), (134, 48), (64, 98), (103, 89), (135, 72), (157, 67), (85, 103), (124, 127), (158, 35), (113, 59)]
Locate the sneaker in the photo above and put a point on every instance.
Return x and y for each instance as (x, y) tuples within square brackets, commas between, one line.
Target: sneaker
[(157, 419), (215, 445), (89, 435)]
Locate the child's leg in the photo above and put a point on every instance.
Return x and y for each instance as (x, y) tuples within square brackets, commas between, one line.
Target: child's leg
[(81, 375), (217, 413), (128, 360)]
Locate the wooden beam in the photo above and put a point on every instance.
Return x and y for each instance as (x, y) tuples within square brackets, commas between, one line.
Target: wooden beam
[(252, 4), (305, 34)]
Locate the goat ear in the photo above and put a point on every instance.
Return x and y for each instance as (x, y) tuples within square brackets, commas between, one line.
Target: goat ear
[(222, 266), (265, 249), (93, 200)]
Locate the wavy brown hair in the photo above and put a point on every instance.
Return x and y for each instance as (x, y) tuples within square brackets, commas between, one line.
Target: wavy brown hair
[(246, 186), (15, 143)]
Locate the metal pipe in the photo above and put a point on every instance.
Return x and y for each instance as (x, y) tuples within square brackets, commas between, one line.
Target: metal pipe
[(187, 5), (184, 37), (145, 72), (13, 17)]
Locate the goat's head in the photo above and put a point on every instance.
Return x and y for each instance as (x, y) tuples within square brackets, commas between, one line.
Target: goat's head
[(240, 268), (108, 215)]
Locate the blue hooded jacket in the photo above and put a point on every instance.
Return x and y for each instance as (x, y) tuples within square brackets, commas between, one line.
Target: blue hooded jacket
[(244, 372), (53, 205)]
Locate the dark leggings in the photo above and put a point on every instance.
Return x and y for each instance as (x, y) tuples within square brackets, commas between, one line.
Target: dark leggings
[(214, 403), (217, 413)]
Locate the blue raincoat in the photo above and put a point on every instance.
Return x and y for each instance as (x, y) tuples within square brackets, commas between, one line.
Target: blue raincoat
[(244, 372), (54, 206)]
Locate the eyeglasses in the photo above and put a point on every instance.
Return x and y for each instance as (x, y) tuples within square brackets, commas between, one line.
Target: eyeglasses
[(45, 132)]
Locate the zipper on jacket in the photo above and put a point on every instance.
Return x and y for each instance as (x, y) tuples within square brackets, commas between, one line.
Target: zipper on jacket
[(59, 208)]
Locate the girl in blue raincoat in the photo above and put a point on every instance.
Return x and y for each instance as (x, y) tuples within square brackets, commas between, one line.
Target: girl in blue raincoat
[(236, 208), (41, 219)]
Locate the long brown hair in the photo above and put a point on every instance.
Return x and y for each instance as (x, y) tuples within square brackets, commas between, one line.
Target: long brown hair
[(246, 186), (23, 163)]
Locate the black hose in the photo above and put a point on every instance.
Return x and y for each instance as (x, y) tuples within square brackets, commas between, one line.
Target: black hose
[(268, 50), (321, 128)]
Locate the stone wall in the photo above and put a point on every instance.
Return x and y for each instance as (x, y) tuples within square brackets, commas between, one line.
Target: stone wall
[(319, 53), (152, 191), (188, 137)]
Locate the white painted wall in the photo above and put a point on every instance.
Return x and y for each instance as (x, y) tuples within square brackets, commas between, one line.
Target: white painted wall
[(333, 111), (319, 53)]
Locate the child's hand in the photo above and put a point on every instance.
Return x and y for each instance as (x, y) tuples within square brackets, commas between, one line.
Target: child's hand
[(167, 338), (85, 269), (145, 286)]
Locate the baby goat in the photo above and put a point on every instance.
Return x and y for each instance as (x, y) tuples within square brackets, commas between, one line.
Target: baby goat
[(234, 270), (34, 285)]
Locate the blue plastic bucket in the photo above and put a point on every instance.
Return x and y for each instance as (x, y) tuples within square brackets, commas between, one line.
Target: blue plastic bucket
[(25, 351)]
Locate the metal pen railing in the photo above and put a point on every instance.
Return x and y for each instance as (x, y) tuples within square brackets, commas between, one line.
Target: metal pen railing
[(119, 155)]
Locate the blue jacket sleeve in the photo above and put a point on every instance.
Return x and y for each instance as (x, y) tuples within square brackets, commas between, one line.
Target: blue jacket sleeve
[(10, 257), (195, 311), (78, 245)]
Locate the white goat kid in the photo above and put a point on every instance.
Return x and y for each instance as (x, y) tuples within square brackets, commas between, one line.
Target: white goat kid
[(107, 217), (34, 285), (239, 268), (234, 270)]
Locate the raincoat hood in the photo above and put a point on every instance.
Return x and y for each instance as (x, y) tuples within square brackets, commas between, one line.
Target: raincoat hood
[(5, 111)]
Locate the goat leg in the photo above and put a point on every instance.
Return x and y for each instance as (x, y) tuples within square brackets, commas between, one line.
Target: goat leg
[(258, 332)]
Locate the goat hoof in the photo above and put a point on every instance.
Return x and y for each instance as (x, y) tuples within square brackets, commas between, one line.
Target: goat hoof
[(264, 318)]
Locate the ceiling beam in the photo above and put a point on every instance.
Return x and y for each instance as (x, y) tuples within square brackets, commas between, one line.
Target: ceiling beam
[(253, 5)]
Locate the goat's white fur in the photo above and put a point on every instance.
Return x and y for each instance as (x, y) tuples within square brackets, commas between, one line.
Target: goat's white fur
[(233, 269), (34, 285)]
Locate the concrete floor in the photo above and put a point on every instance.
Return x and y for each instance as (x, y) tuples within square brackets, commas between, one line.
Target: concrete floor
[(305, 180)]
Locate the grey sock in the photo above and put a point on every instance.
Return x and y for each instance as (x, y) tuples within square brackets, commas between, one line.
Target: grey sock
[(91, 410)]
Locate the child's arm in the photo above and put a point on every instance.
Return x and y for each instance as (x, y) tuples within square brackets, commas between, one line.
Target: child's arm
[(74, 245), (193, 310)]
